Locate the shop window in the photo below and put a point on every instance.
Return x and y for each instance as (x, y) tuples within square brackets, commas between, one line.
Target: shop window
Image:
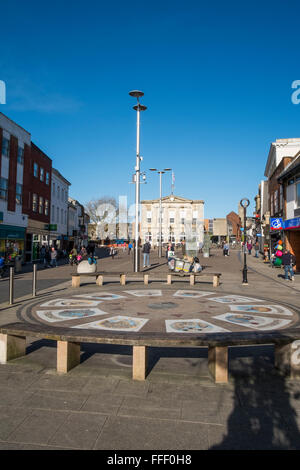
[(3, 188), (18, 193), (41, 205), (20, 157), (5, 147), (34, 202)]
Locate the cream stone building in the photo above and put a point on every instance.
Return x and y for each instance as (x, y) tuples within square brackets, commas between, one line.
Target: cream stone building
[(182, 219)]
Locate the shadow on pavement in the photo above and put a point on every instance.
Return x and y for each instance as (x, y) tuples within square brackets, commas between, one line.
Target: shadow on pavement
[(263, 416)]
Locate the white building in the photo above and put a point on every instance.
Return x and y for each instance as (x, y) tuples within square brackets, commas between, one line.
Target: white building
[(77, 223), (59, 209), (278, 150), (182, 219)]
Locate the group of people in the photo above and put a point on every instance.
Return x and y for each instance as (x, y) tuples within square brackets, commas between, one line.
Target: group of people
[(77, 255)]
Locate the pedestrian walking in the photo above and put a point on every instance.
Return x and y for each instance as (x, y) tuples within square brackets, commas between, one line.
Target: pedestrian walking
[(146, 252), (288, 262), (113, 252), (47, 258), (130, 246), (53, 256), (42, 254), (249, 247), (256, 247), (226, 249)]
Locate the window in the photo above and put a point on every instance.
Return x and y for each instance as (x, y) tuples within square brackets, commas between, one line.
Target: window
[(65, 217), (53, 189), (61, 216), (47, 178), (35, 170), (18, 193), (58, 192), (20, 157), (42, 174), (149, 217), (276, 201), (53, 214), (3, 188), (46, 207), (57, 215), (5, 147), (280, 198), (41, 205), (34, 203)]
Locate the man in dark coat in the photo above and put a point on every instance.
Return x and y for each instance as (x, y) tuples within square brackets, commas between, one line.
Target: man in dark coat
[(288, 261)]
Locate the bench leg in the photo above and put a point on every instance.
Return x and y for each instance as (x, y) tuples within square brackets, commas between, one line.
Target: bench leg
[(99, 280), (192, 279), (218, 363), (146, 279), (123, 279), (216, 281), (68, 356), (139, 363), (11, 347), (169, 279), (75, 281), (287, 359)]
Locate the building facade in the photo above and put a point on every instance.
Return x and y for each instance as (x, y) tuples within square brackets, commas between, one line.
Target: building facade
[(37, 200), (15, 145), (182, 219), (59, 210)]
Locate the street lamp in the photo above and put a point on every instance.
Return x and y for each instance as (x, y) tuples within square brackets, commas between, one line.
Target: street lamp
[(139, 107), (160, 172), (245, 203)]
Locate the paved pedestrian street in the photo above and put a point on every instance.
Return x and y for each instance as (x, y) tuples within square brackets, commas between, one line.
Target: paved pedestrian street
[(97, 405)]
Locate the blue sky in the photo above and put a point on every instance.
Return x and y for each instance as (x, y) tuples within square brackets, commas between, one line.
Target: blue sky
[(216, 76)]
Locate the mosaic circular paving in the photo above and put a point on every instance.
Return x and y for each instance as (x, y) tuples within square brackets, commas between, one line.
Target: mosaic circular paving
[(163, 310)]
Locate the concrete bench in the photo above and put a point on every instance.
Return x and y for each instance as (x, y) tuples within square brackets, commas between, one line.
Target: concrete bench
[(99, 278), (287, 346), (192, 276)]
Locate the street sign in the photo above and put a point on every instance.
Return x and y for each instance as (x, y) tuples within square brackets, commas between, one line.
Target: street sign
[(276, 223), (50, 227)]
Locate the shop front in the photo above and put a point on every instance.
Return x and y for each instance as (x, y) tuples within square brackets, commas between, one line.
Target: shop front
[(37, 235), (12, 242)]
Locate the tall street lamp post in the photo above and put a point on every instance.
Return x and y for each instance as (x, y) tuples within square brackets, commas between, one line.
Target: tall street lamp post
[(245, 203), (139, 107), (160, 172)]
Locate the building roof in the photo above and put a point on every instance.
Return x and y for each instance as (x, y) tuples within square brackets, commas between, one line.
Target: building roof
[(59, 175), (172, 198)]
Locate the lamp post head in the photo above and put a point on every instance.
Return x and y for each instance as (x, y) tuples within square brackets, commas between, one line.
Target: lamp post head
[(140, 107), (136, 93)]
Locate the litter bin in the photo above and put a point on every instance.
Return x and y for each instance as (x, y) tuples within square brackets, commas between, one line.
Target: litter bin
[(18, 264)]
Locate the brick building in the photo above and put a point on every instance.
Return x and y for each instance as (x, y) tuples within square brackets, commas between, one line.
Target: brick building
[(233, 226), (289, 179)]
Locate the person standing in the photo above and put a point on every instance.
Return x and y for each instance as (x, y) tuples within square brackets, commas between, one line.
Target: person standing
[(256, 247), (288, 261), (146, 252), (226, 249), (42, 254), (249, 247), (53, 257), (130, 246)]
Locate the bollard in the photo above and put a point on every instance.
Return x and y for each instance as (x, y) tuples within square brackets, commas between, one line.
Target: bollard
[(11, 285), (34, 280)]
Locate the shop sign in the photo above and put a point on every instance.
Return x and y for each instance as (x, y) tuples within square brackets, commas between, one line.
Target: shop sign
[(276, 223), (52, 227), (292, 223)]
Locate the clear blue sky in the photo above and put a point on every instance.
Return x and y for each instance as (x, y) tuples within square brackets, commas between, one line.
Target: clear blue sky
[(216, 76)]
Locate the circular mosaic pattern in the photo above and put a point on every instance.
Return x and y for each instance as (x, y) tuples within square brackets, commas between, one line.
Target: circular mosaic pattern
[(170, 311)]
